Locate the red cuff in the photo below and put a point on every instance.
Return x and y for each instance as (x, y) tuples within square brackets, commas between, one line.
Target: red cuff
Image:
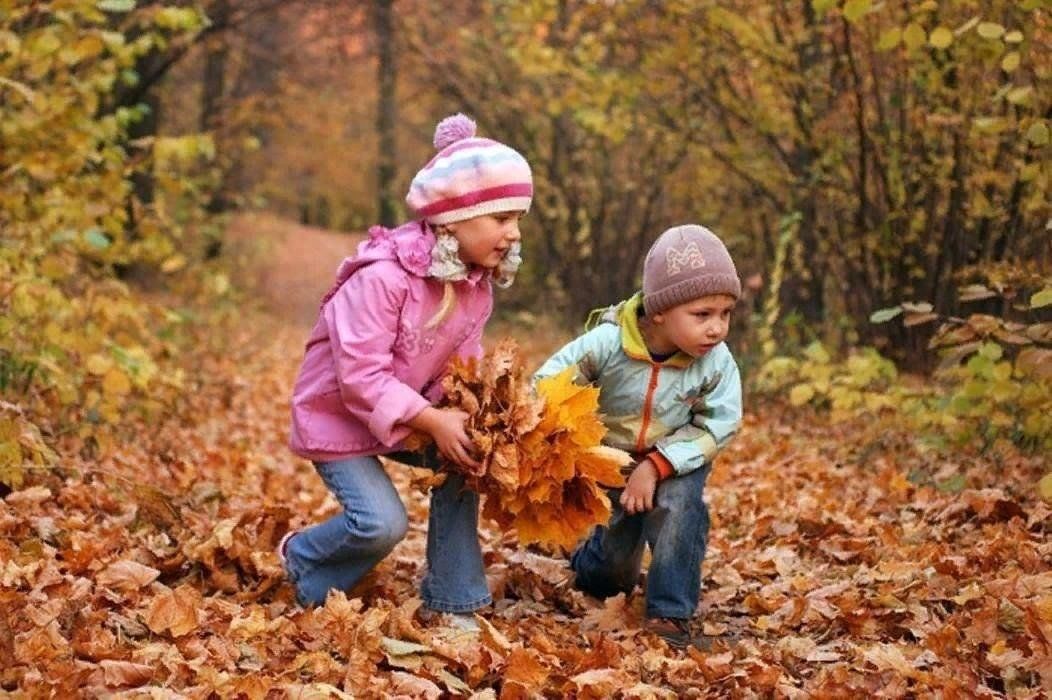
[(664, 467)]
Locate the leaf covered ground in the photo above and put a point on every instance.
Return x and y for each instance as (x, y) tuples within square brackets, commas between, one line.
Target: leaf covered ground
[(151, 573)]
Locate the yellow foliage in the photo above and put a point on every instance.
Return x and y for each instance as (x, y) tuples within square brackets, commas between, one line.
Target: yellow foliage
[(544, 468), (78, 345)]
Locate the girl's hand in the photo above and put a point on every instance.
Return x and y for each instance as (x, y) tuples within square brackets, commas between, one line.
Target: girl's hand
[(446, 426), (638, 496)]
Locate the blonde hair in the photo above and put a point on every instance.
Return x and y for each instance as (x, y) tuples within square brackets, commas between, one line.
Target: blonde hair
[(449, 302)]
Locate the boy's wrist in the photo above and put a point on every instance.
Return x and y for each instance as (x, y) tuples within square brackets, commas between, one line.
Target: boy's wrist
[(662, 466), (645, 465)]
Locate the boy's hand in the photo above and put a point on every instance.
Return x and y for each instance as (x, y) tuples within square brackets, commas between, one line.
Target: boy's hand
[(446, 426), (638, 496)]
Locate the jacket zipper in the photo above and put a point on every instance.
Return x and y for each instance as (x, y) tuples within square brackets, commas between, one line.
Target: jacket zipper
[(648, 401)]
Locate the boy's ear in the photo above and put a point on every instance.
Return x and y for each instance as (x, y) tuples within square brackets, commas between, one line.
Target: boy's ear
[(658, 318)]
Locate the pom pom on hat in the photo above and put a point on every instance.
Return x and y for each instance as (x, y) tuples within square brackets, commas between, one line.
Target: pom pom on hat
[(469, 176), (452, 129)]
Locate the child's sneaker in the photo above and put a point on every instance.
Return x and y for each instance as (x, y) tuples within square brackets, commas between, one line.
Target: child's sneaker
[(282, 549), (674, 630)]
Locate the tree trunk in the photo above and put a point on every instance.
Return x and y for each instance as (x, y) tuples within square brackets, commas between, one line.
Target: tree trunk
[(383, 26)]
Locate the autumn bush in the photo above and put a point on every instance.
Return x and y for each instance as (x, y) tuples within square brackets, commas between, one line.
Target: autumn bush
[(993, 381), (906, 142), (82, 345)]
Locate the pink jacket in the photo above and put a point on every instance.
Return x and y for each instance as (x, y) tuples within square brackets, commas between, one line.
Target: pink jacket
[(370, 362)]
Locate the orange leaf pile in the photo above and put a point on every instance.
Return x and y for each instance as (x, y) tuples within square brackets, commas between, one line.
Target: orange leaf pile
[(544, 467)]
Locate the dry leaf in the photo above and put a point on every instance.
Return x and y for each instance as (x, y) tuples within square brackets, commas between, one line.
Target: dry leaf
[(545, 468), (127, 575), (174, 611)]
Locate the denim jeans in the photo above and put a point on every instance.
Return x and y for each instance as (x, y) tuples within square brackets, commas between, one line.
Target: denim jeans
[(336, 554), (677, 530)]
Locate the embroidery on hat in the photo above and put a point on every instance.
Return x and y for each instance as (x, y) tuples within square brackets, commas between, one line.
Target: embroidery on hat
[(690, 257)]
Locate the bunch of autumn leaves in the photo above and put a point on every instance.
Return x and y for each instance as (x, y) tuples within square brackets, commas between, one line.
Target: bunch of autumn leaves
[(544, 469)]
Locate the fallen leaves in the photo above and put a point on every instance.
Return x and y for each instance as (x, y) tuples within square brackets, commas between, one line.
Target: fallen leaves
[(174, 612), (544, 470), (824, 577), (127, 575)]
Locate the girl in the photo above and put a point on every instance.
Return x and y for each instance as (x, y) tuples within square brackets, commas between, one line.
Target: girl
[(410, 300)]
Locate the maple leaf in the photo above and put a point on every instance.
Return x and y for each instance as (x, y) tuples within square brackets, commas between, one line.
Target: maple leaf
[(524, 669), (127, 575), (544, 467), (174, 611)]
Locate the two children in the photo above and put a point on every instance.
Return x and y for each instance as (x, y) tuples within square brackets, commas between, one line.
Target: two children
[(418, 295), (670, 393)]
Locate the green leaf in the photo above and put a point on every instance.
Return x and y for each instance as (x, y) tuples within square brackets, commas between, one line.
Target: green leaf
[(990, 30), (1010, 62), (914, 36), (816, 352), (116, 5), (954, 484), (822, 6), (940, 37), (97, 239), (991, 125), (1019, 95), (991, 351), (1044, 487), (967, 26), (1041, 299), (1037, 134), (890, 39), (801, 394), (885, 315), (856, 9), (1014, 37)]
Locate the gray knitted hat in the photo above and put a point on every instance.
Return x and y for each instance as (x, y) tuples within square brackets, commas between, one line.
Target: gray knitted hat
[(685, 263)]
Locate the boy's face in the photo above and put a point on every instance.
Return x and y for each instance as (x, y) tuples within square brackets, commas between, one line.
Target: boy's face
[(697, 326), (485, 240)]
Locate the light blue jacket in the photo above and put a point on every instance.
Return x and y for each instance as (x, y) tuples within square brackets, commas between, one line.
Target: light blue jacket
[(684, 409)]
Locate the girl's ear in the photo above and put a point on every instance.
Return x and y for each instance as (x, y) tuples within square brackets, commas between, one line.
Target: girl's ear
[(658, 318)]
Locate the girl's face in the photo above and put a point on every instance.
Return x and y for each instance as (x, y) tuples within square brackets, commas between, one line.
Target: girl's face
[(485, 240), (695, 327)]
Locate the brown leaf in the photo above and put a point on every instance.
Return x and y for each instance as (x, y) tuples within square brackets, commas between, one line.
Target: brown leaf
[(612, 616), (127, 575), (174, 611), (524, 667), (117, 674)]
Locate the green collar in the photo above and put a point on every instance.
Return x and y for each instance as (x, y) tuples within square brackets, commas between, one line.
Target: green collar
[(632, 337)]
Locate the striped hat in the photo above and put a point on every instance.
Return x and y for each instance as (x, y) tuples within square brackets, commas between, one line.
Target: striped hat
[(469, 176)]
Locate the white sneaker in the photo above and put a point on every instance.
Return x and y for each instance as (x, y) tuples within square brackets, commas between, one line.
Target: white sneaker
[(461, 622), (282, 548), (465, 622)]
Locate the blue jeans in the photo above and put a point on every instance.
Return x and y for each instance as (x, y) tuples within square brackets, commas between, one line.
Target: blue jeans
[(336, 554), (677, 530)]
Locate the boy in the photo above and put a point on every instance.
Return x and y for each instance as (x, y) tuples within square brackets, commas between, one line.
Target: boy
[(670, 393)]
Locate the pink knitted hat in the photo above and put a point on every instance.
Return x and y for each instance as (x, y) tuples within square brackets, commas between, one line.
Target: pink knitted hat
[(686, 263), (469, 176)]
